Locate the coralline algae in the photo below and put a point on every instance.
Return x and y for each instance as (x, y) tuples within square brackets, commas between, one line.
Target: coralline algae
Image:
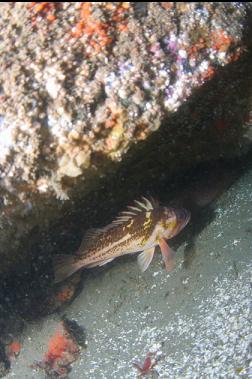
[(97, 70)]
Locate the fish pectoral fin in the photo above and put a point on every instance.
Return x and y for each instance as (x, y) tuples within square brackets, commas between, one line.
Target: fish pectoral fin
[(144, 259), (167, 254)]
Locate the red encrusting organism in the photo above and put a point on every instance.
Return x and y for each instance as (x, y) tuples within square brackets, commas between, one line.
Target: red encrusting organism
[(220, 41), (62, 351), (100, 34), (65, 295), (58, 344), (13, 349), (44, 9), (217, 41)]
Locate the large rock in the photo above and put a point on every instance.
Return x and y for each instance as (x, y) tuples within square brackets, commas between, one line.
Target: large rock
[(101, 102)]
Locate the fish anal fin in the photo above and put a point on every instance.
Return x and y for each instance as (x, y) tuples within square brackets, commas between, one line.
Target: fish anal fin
[(99, 263), (106, 261), (144, 259), (65, 266), (167, 254)]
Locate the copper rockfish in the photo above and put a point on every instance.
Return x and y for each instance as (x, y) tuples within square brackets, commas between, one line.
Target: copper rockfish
[(141, 227)]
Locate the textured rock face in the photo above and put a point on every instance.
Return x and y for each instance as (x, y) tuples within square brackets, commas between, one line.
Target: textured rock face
[(83, 89)]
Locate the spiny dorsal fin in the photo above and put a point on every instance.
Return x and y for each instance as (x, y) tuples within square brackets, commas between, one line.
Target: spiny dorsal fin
[(145, 205), (91, 235)]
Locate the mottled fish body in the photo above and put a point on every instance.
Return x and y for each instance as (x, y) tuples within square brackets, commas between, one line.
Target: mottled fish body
[(141, 227)]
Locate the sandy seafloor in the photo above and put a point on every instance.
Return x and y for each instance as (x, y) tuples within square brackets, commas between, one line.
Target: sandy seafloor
[(198, 318)]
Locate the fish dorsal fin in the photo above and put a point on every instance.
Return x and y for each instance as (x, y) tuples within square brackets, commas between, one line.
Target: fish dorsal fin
[(145, 205), (89, 237), (92, 235)]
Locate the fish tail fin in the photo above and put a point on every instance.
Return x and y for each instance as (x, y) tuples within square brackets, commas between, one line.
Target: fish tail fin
[(64, 266)]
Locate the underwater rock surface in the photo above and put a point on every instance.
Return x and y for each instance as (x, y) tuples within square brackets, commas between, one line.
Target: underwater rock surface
[(196, 319), (105, 90)]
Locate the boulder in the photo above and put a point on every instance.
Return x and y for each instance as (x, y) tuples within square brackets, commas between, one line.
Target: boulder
[(103, 102)]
